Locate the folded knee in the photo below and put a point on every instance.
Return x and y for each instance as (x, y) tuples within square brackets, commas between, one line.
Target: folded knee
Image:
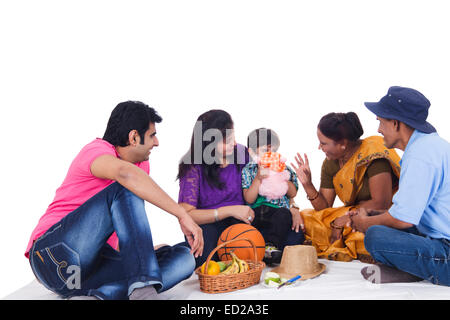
[(375, 235), (186, 258)]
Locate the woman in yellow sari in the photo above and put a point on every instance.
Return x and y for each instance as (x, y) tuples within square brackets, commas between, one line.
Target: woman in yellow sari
[(362, 173)]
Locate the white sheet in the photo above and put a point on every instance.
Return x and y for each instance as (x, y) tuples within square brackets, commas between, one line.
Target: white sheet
[(341, 280)]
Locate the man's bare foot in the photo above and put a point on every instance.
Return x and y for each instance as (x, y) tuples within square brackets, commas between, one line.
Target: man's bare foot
[(380, 273)]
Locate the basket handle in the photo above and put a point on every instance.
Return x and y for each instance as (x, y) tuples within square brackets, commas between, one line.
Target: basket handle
[(205, 271)]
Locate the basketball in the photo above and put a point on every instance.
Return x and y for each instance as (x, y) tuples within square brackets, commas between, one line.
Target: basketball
[(242, 248)]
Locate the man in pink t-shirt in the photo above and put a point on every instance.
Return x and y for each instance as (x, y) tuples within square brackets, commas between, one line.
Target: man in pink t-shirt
[(94, 240)]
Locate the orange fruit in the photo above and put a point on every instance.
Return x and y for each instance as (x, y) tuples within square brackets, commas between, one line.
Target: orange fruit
[(213, 268)]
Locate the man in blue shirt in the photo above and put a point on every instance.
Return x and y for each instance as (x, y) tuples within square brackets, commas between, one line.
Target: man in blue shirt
[(412, 239)]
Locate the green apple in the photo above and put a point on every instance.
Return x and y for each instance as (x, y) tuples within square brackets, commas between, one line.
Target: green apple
[(222, 265), (271, 283), (272, 277)]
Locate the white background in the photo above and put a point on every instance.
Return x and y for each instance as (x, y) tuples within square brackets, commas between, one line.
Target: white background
[(64, 65)]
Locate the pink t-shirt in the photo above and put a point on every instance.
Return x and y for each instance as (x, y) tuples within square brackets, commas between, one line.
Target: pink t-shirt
[(79, 186)]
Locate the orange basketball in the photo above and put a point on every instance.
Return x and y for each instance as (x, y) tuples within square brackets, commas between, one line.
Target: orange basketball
[(243, 249)]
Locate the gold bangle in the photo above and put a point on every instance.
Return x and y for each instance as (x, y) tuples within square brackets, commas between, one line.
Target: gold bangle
[(332, 225), (313, 198)]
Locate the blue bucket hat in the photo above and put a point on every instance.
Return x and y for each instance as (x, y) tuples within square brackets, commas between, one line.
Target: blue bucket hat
[(406, 105)]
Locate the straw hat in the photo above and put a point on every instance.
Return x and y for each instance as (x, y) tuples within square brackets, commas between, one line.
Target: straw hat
[(300, 260)]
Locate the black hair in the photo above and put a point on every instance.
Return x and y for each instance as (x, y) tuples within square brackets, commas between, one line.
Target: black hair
[(217, 120), (263, 137), (339, 126), (128, 116)]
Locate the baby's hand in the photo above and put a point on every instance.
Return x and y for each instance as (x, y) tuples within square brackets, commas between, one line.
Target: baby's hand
[(262, 173)]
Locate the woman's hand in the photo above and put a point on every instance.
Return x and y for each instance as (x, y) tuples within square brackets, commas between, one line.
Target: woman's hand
[(336, 234), (337, 227), (243, 213), (302, 169), (357, 219), (341, 222), (297, 220)]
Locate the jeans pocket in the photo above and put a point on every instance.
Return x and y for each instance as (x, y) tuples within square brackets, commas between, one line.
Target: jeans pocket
[(59, 267), (446, 241)]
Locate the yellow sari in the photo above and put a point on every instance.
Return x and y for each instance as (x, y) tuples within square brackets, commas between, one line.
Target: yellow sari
[(347, 184)]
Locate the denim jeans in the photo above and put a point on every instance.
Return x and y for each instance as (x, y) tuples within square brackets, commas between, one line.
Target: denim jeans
[(211, 233), (410, 251), (72, 258)]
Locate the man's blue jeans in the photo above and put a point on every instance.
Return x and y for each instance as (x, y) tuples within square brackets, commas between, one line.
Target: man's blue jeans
[(409, 251), (72, 258)]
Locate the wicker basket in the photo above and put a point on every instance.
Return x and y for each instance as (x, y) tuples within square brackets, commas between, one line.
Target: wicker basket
[(230, 282)]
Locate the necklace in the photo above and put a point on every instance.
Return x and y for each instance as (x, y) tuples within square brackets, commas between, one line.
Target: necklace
[(349, 154)]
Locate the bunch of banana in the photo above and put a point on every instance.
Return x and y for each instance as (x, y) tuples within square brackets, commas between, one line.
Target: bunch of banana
[(243, 265), (232, 268), (237, 266)]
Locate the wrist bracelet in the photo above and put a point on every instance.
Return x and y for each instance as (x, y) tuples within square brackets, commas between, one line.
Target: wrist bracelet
[(313, 198), (216, 215), (332, 225)]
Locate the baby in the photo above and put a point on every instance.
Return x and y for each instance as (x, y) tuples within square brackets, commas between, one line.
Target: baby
[(273, 217)]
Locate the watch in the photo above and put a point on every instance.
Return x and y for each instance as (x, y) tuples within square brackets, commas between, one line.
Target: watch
[(294, 205)]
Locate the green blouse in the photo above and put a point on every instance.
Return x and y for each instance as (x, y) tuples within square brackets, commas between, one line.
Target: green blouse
[(331, 167)]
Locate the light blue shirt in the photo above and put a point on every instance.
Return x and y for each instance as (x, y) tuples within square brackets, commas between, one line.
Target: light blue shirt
[(423, 197)]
